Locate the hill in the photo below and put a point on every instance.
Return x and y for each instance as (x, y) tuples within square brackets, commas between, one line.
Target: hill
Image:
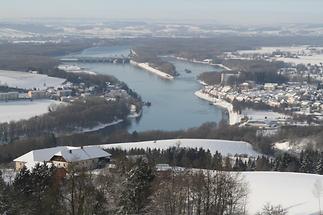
[(225, 147)]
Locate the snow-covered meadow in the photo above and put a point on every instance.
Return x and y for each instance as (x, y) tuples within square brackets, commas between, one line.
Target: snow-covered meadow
[(305, 54), (24, 109), (293, 191), (225, 147), (27, 80), (313, 59), (269, 50), (263, 115)]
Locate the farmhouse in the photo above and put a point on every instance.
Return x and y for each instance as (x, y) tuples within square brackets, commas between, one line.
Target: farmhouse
[(37, 94), (89, 157)]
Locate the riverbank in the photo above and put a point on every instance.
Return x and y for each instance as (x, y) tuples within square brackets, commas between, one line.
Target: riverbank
[(234, 117), (148, 68)]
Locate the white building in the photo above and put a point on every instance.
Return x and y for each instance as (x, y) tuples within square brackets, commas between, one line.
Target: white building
[(89, 157), (270, 86), (9, 96)]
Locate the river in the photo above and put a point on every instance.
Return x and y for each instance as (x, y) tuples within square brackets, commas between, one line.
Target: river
[(174, 105)]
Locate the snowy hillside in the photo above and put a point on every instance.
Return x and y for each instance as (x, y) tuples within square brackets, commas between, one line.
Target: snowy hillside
[(291, 190), (225, 147), (18, 110), (26, 80)]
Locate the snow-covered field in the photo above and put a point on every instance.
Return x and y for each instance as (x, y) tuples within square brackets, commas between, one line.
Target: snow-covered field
[(225, 147), (18, 110), (305, 54), (262, 115), (313, 60), (26, 80), (269, 50), (291, 190)]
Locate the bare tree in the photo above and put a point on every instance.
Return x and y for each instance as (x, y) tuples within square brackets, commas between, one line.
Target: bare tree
[(269, 209), (200, 192)]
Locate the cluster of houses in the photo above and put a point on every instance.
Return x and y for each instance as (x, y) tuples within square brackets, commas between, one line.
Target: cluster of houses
[(312, 73), (68, 92), (50, 93), (294, 98)]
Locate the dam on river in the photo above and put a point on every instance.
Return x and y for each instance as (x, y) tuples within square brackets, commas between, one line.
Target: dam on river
[(115, 60)]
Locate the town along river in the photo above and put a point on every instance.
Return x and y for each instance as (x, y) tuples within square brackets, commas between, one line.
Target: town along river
[(173, 103)]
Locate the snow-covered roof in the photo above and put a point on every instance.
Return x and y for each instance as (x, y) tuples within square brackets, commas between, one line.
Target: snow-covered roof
[(77, 154), (85, 153)]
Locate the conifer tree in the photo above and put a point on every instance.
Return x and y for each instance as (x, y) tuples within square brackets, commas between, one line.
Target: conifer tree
[(319, 166), (137, 188), (307, 164), (4, 198)]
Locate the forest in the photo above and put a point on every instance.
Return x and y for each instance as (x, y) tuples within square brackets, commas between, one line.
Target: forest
[(144, 55), (210, 78), (259, 71), (23, 57), (63, 119)]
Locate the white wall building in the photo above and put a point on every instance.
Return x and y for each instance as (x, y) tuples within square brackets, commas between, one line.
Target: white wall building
[(89, 157)]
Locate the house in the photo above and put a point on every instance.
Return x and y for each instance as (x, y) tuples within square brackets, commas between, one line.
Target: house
[(37, 94), (270, 86), (64, 93), (9, 96), (89, 157)]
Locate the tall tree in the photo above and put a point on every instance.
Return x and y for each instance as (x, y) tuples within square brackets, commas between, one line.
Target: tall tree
[(137, 188)]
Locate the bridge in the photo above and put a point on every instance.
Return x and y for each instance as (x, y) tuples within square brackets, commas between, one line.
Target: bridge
[(117, 60)]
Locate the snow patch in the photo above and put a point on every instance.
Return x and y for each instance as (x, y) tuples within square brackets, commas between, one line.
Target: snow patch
[(26, 80), (225, 147), (291, 190), (19, 110)]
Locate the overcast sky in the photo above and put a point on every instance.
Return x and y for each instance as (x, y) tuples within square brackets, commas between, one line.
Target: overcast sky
[(222, 11)]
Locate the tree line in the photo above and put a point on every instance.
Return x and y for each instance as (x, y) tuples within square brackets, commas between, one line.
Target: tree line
[(308, 161), (118, 134), (259, 71)]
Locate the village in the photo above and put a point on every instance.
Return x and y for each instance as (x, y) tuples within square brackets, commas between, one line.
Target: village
[(62, 91), (299, 101)]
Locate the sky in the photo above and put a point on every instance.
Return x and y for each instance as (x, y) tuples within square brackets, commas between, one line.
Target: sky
[(221, 11)]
